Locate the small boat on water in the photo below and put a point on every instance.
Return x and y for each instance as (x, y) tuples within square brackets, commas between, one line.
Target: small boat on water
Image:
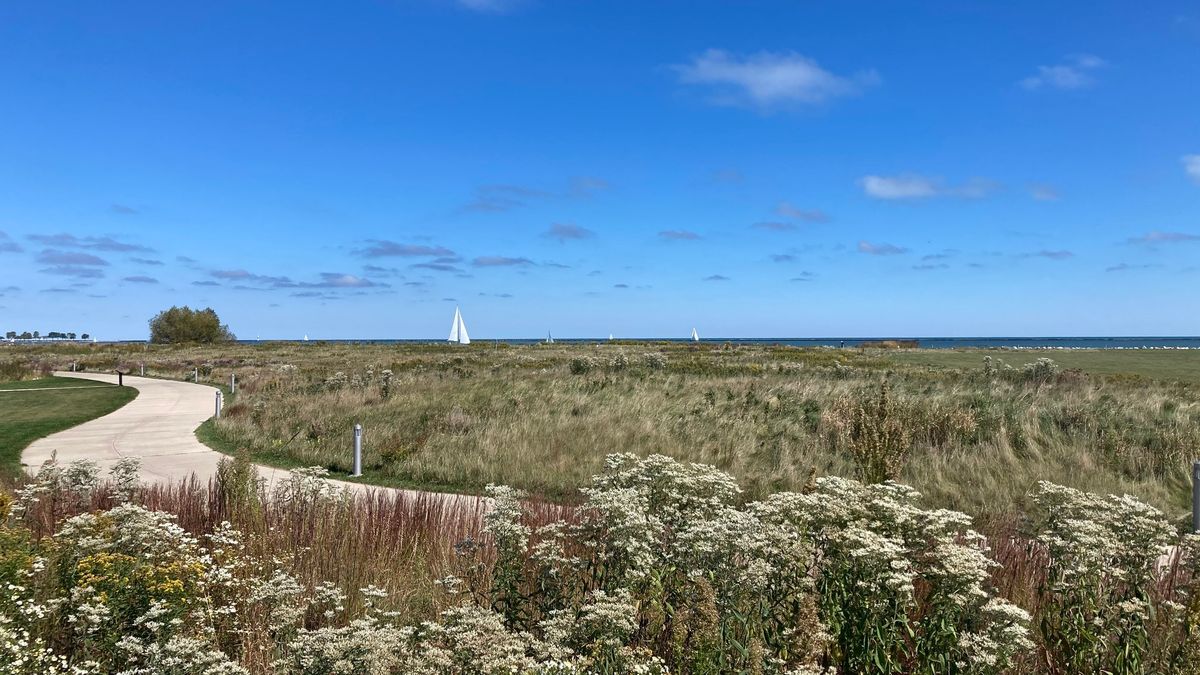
[(306, 337), (458, 330), (549, 338), (695, 336), (610, 337)]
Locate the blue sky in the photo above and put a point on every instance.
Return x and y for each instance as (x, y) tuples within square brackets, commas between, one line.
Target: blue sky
[(753, 168)]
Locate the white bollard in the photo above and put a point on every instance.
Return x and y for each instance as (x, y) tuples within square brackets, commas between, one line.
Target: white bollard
[(233, 383), (218, 409), (357, 450), (72, 366), (143, 370), (196, 375)]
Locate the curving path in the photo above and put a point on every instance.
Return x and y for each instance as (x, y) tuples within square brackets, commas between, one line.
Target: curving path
[(159, 427)]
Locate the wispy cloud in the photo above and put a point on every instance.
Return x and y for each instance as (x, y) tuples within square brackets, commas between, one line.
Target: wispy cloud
[(564, 232), (205, 282), (146, 261), (1075, 72), (678, 235), (1049, 254), (382, 248), (1127, 267), (782, 257), (928, 267), (880, 249), (787, 210), (52, 257), (141, 279), (500, 261), (716, 277), (499, 198), (123, 209), (94, 243), (768, 80), (341, 280), (620, 285), (436, 267), (7, 245), (1191, 166), (916, 186), (1157, 237), (803, 276), (248, 277), (586, 186), (77, 271), (775, 226), (1043, 192)]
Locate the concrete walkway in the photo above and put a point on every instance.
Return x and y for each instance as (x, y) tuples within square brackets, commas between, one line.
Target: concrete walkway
[(159, 428)]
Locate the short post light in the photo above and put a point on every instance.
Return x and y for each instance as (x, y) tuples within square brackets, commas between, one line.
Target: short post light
[(357, 450), (217, 414)]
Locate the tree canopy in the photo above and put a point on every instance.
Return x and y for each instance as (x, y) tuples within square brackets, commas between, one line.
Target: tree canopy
[(184, 324)]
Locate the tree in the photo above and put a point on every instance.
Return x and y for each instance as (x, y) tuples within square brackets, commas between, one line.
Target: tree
[(11, 335), (184, 324), (84, 336)]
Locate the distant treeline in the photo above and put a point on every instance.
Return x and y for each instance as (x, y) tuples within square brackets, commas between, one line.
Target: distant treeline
[(52, 335)]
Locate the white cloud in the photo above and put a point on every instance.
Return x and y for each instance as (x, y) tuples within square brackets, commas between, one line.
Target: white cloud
[(1073, 73), (914, 186), (1191, 164), (769, 79)]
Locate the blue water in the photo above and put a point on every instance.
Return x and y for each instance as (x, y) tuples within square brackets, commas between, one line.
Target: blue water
[(924, 342)]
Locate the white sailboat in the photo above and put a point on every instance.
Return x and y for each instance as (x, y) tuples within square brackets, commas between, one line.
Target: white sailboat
[(549, 338), (306, 337), (610, 337), (695, 336), (458, 330)]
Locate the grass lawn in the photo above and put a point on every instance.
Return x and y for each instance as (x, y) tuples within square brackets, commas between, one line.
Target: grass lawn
[(27, 415), (1159, 364)]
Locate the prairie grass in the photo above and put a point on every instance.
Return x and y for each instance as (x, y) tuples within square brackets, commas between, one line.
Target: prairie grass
[(543, 417)]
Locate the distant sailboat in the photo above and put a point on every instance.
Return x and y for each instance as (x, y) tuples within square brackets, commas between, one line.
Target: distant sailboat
[(549, 338), (306, 337), (458, 330), (610, 337), (695, 336)]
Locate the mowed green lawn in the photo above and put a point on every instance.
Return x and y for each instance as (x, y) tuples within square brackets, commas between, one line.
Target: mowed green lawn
[(32, 409), (1160, 364)]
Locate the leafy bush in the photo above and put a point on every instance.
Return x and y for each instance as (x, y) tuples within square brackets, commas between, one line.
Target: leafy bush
[(186, 325)]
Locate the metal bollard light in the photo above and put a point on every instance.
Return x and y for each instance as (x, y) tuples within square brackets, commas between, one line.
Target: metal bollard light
[(196, 375), (143, 370), (1196, 496), (218, 404), (357, 450), (233, 383)]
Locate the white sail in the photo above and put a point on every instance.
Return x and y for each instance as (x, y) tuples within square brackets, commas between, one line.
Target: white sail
[(695, 336), (463, 338), (454, 326), (306, 337), (549, 338), (610, 337)]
